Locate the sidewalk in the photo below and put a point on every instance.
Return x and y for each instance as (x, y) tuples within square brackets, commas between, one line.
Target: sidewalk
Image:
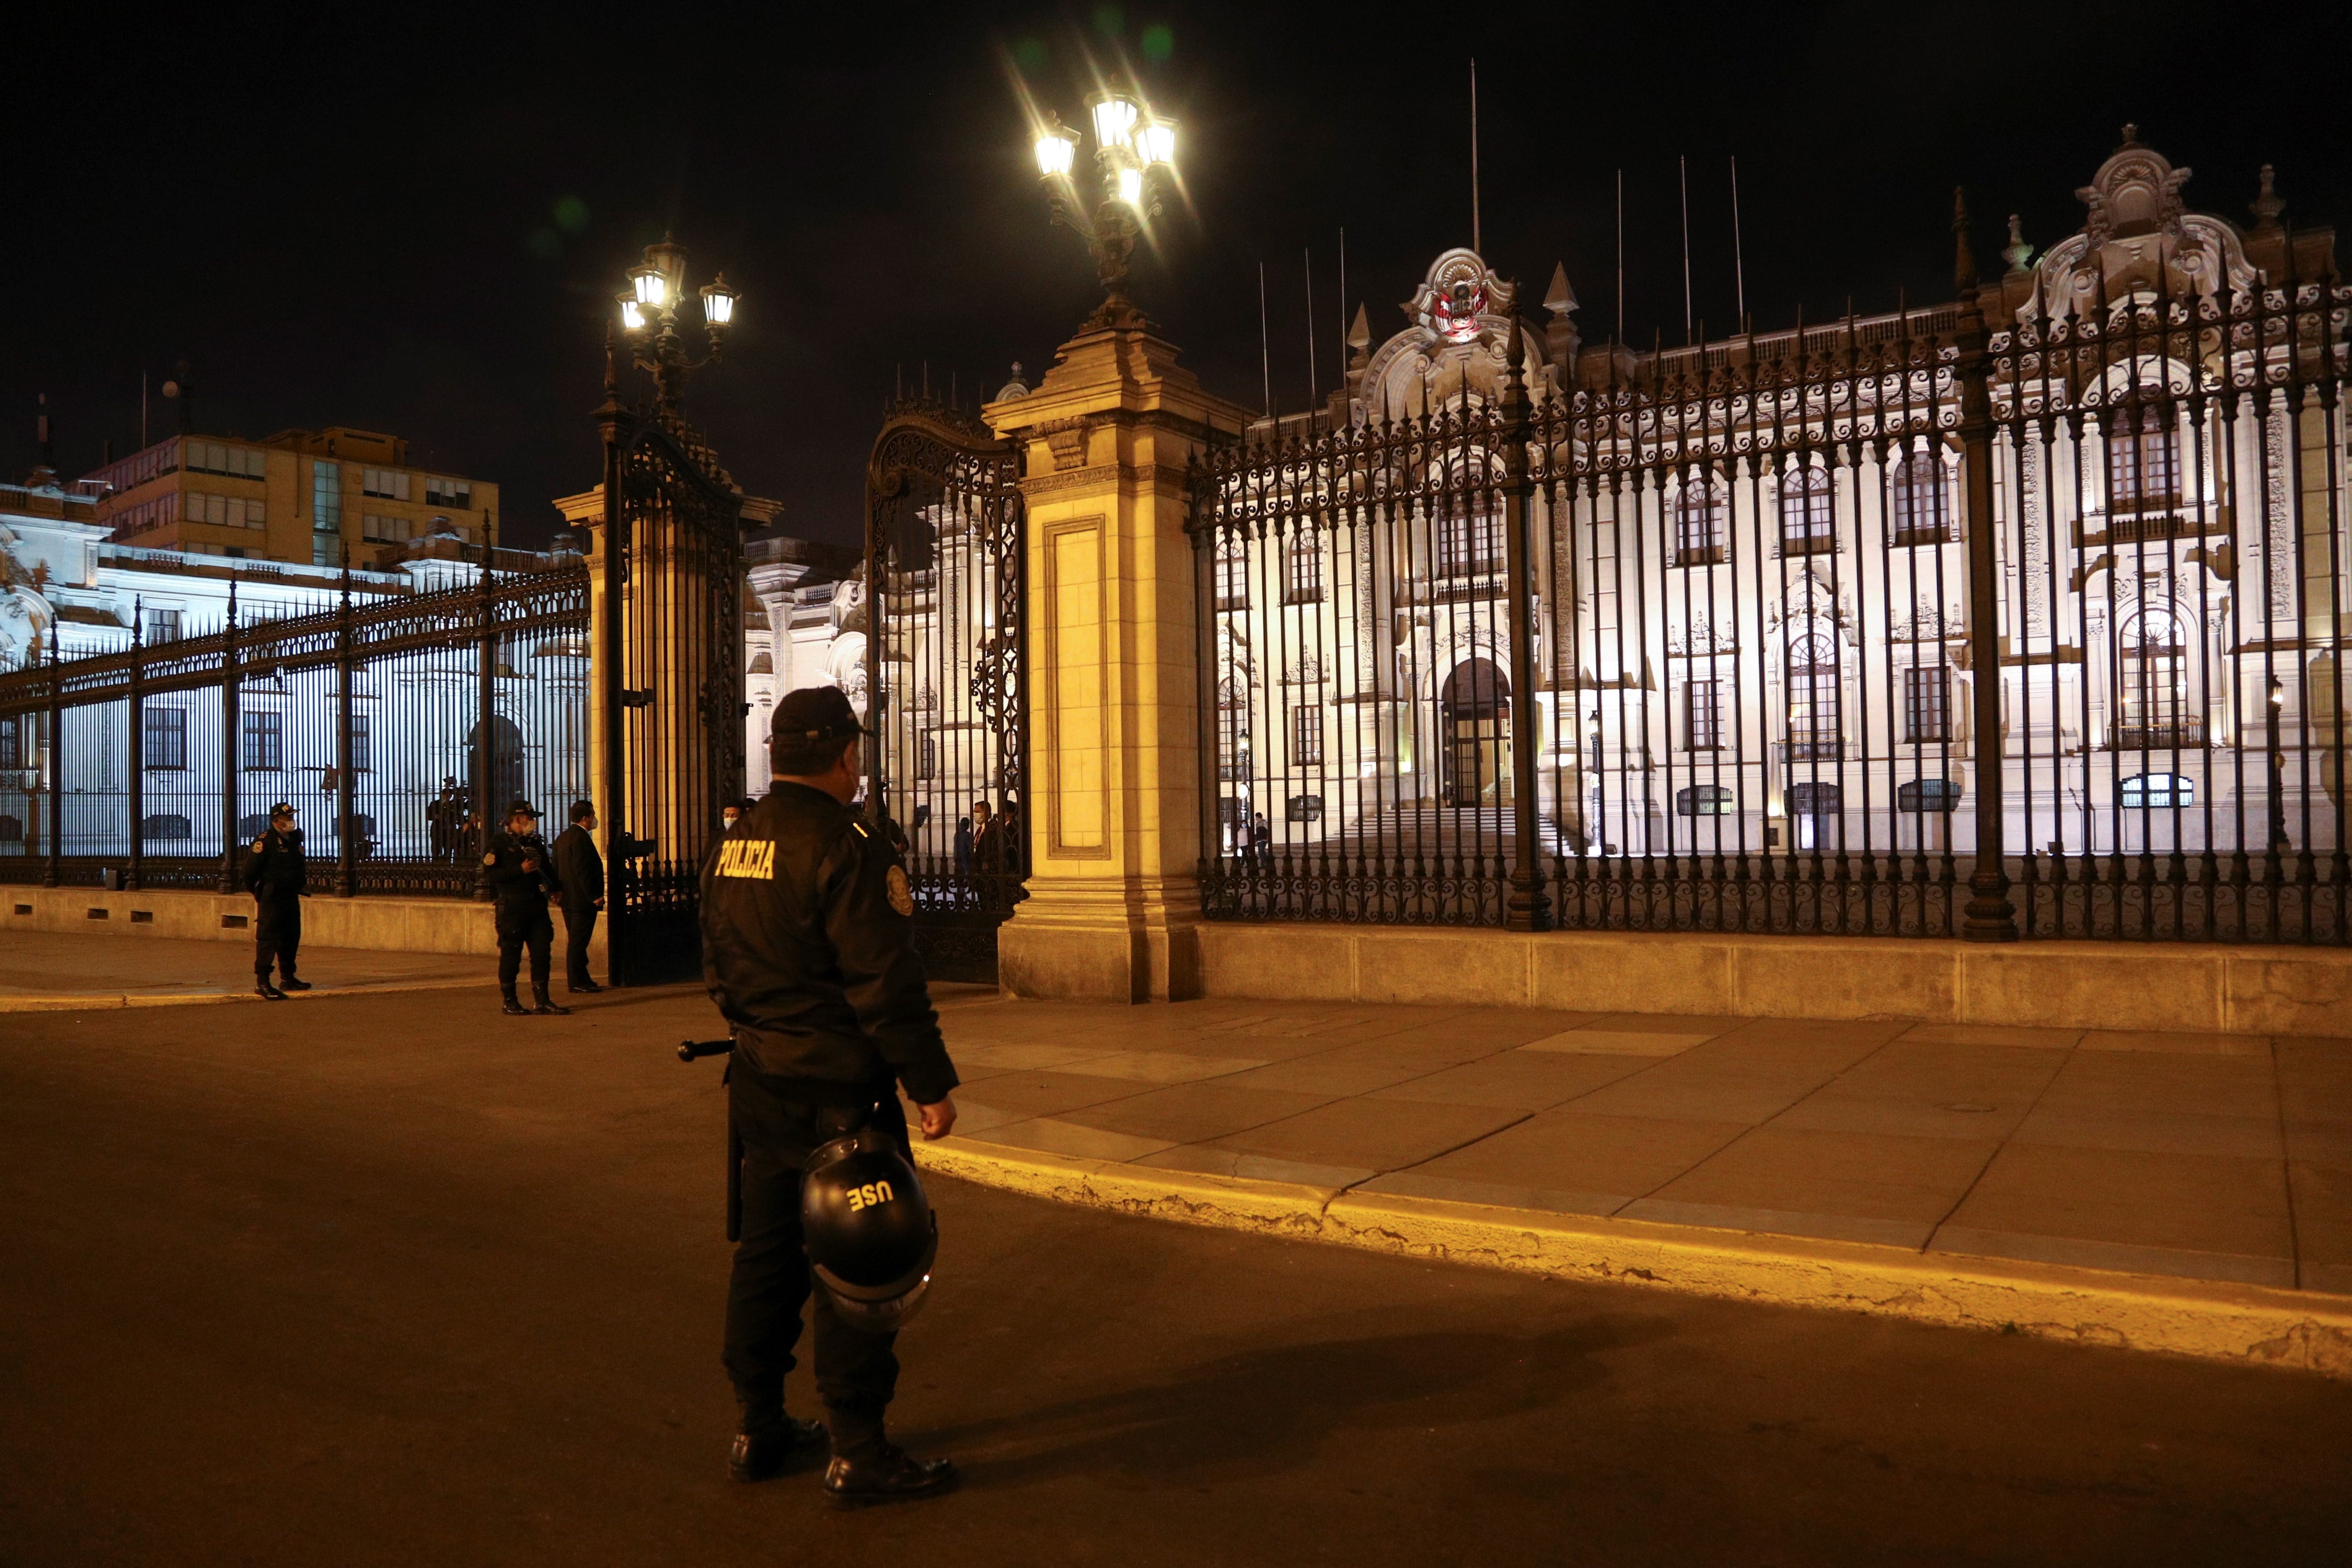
[(2187, 1161), (51, 971)]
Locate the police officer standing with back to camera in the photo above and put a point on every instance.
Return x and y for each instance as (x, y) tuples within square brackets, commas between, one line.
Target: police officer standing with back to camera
[(521, 876), (273, 875), (580, 870), (806, 941)]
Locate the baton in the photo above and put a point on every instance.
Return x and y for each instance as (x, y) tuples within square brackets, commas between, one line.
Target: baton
[(690, 1050)]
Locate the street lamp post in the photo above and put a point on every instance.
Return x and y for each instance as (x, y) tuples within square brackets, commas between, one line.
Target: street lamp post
[(2278, 771), (649, 320), (1135, 157)]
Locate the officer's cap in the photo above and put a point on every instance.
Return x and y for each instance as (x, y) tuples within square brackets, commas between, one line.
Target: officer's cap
[(520, 807), (280, 809), (813, 715)]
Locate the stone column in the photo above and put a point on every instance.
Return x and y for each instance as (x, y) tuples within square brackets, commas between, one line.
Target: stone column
[(1113, 807)]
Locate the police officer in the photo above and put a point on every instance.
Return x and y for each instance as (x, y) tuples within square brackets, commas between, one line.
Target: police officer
[(521, 876), (580, 870), (273, 875), (806, 948)]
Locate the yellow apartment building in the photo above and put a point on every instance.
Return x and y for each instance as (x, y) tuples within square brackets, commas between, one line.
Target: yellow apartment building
[(299, 495)]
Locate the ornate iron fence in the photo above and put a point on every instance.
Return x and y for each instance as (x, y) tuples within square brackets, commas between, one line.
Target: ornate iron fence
[(2016, 617), (386, 722)]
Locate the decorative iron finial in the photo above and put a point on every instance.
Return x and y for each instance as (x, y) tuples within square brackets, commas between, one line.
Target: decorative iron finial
[(138, 619), (2017, 251), (2267, 206), (1964, 261), (2131, 136)]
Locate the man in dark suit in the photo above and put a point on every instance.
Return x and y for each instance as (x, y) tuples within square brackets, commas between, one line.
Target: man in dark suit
[(582, 871)]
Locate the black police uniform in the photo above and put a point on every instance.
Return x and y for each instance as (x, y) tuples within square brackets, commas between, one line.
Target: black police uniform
[(274, 873), (806, 943), (521, 909), (580, 870)]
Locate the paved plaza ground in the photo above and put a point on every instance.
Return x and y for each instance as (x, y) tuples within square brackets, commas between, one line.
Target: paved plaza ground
[(396, 1280), (44, 970)]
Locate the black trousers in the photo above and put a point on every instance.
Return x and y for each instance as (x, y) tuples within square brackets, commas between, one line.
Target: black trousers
[(857, 1372), (521, 922), (579, 925), (276, 932)]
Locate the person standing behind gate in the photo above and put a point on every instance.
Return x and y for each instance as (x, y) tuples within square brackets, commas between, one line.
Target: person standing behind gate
[(516, 866), (273, 875), (580, 870)]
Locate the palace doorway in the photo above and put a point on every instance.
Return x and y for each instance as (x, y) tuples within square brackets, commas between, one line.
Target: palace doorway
[(1475, 721)]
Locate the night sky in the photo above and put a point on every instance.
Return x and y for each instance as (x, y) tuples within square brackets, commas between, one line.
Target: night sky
[(416, 222)]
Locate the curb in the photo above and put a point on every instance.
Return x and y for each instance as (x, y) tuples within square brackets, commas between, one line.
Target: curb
[(88, 1001), (2244, 1323)]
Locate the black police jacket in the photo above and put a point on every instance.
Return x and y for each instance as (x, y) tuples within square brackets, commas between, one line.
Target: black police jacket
[(502, 867), (578, 868), (276, 869), (808, 947)]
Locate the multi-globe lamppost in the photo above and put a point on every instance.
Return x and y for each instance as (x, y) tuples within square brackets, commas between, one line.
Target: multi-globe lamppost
[(649, 318), (1135, 157)]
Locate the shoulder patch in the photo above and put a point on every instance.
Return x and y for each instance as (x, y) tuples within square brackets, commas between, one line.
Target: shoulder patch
[(902, 897), (490, 860), (862, 832)]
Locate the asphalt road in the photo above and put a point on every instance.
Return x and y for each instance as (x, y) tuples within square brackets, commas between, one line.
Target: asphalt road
[(399, 1280)]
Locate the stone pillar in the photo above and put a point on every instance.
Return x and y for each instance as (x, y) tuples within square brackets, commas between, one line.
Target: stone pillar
[(1113, 807)]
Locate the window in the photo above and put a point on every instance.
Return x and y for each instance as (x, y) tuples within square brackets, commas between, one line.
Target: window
[(327, 497), (265, 743), (1925, 711), (1303, 570), (1306, 737), (1928, 794), (1470, 544), (224, 512), (1806, 526), (1304, 808), (164, 742), (1703, 715), (1698, 522), (214, 458), (362, 744), (158, 626), (1704, 800), (2158, 792), (1232, 574), (12, 829), (386, 484), (12, 743), (166, 824), (1813, 732), (2143, 465), (377, 529), (1922, 505), (927, 763), (459, 493)]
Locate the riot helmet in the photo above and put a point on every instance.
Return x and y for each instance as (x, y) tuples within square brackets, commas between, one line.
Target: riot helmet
[(871, 1232)]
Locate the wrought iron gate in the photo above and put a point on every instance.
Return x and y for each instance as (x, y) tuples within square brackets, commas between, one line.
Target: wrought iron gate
[(671, 667), (945, 676)]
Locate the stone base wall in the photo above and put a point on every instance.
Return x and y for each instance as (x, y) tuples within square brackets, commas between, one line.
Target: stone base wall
[(381, 924), (2182, 987)]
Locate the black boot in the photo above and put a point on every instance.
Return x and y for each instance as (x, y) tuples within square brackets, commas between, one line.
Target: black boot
[(582, 987), (768, 1453), (513, 1008), (290, 983), (265, 990), (547, 1007), (888, 1474)]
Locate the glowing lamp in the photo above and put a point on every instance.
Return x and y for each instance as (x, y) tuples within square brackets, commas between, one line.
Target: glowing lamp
[(1130, 186), (633, 320), (719, 302), (651, 286), (1157, 143), (1057, 148), (1115, 120), (2278, 693)]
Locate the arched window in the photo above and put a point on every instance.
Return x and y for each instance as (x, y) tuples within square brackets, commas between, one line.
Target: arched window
[(1469, 535), (1698, 521), (1806, 516), (2143, 463), (2152, 677), (1302, 576), (1233, 572), (1813, 730), (1922, 503)]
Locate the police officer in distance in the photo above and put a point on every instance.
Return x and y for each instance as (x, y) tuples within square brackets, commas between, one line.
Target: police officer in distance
[(807, 951), (521, 876), (274, 873)]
